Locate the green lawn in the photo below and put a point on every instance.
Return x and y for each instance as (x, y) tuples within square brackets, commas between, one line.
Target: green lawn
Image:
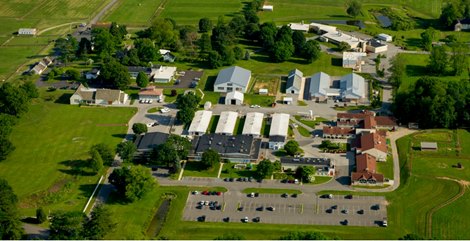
[(168, 97), (52, 142), (304, 132), (210, 96), (386, 167), (132, 12), (213, 123), (310, 123), (261, 100), (271, 190), (239, 126), (154, 110), (301, 103), (320, 180), (229, 170), (195, 169)]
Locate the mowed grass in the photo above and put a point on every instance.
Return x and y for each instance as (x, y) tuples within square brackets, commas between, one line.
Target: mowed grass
[(51, 134), (449, 223), (134, 12), (187, 12), (195, 169), (464, 142), (66, 9), (12, 57)]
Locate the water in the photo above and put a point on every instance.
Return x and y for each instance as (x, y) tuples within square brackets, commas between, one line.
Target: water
[(357, 23), (384, 20)]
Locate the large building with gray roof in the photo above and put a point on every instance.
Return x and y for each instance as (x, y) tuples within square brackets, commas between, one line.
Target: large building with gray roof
[(294, 81), (232, 79), (353, 88), (239, 148), (320, 87), (91, 96)]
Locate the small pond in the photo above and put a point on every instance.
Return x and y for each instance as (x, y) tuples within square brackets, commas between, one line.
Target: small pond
[(385, 21)]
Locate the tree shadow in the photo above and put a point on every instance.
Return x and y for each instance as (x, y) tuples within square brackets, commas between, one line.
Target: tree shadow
[(77, 168), (116, 198), (415, 42), (209, 86), (416, 70), (30, 220), (87, 189), (120, 136), (337, 62)]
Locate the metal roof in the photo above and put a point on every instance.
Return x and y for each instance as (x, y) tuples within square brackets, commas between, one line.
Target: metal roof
[(234, 74), (200, 121), (294, 79), (253, 123), (319, 84), (239, 146), (235, 95), (279, 124), (428, 145), (227, 122), (353, 86)]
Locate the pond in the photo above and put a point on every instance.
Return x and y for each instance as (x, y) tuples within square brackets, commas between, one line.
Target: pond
[(357, 23), (385, 21), (159, 219)]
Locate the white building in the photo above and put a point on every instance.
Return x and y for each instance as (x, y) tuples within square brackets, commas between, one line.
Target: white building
[(85, 95), (353, 60), (268, 8), (226, 123), (164, 74), (27, 31), (299, 27), (232, 78), (278, 131), (253, 124), (234, 98), (294, 81), (322, 28), (320, 89), (200, 123), (385, 37), (338, 37), (151, 93), (353, 88)]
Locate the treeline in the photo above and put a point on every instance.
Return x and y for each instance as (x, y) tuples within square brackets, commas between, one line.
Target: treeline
[(435, 103), (14, 102), (453, 11)]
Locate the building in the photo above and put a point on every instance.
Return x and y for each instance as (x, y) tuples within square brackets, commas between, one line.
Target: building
[(353, 60), (319, 88), (164, 74), (385, 37), (169, 57), (336, 132), (151, 93), (92, 74), (234, 98), (253, 124), (428, 146), (200, 123), (294, 81), (353, 88), (322, 28), (42, 65), (338, 37), (232, 78), (366, 120), (226, 123), (324, 166), (367, 178), (463, 24), (299, 27), (376, 46), (149, 141), (366, 163), (263, 92), (238, 149), (373, 144), (85, 95), (27, 31), (135, 70), (278, 130), (268, 8)]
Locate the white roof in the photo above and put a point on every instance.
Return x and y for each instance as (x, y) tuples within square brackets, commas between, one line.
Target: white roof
[(352, 58), (299, 26), (235, 95), (323, 27), (200, 121), (164, 51), (263, 91), (227, 122), (319, 84), (279, 124), (165, 72), (287, 99), (268, 7), (384, 36), (253, 123), (353, 86), (342, 37)]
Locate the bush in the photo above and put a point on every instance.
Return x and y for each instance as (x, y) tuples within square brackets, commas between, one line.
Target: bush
[(41, 216)]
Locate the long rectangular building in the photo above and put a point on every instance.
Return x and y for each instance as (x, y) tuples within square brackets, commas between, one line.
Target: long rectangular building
[(253, 124), (226, 123), (200, 123), (278, 130), (239, 148)]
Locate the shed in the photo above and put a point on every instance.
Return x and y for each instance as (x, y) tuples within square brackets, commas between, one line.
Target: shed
[(287, 100), (234, 98), (385, 37), (263, 91), (268, 8), (207, 105), (226, 123), (428, 146)]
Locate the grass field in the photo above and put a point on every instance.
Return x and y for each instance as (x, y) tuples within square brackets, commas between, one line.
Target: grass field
[(304, 132), (52, 146), (229, 170), (132, 12), (195, 169), (213, 123), (310, 123)]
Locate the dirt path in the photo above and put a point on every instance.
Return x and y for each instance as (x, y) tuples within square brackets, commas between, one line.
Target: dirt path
[(57, 26), (159, 11)]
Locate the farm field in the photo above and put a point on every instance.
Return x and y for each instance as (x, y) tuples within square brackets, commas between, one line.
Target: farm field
[(134, 13), (51, 148)]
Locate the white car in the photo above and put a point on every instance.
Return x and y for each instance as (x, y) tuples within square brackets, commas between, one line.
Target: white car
[(255, 106), (245, 220), (149, 124), (150, 101), (165, 110)]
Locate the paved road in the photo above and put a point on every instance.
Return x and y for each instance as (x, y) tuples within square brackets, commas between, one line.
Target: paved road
[(98, 16), (35, 232)]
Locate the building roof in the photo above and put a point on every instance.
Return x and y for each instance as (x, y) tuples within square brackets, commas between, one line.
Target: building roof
[(369, 122), (151, 91), (358, 116), (137, 69), (375, 43), (385, 121), (279, 124), (85, 92), (150, 140), (428, 145), (352, 58), (294, 79), (336, 130), (253, 123), (319, 84), (164, 72), (369, 141), (108, 95), (353, 86), (39, 67), (365, 163), (227, 122), (356, 176), (299, 26), (163, 51), (323, 27), (200, 121), (234, 74), (322, 162), (342, 37), (277, 139), (239, 146), (235, 95)]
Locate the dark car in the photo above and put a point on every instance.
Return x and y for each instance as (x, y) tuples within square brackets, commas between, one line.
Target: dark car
[(345, 222), (260, 208), (294, 195), (202, 218), (345, 211), (334, 207), (225, 179), (256, 194), (360, 211), (285, 195), (284, 180), (350, 196), (231, 179), (240, 209), (227, 219), (193, 84), (257, 219), (375, 207), (329, 211), (270, 208)]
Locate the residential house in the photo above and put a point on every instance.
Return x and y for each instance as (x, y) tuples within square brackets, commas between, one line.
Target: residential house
[(353, 88), (323, 166), (294, 81), (237, 149), (353, 60), (92, 74), (253, 124), (164, 74), (226, 123), (85, 95), (27, 31), (234, 98), (135, 70), (278, 131), (200, 123), (232, 78), (42, 65), (373, 144), (463, 24), (151, 93)]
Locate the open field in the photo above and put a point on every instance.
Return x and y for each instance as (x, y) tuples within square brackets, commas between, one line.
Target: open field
[(51, 150), (134, 12), (195, 169)]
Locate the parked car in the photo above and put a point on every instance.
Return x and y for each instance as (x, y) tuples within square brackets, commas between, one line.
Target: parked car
[(202, 218), (329, 196), (271, 208), (260, 208), (257, 219), (360, 211), (165, 110), (345, 211), (285, 195), (294, 195), (227, 219), (334, 207), (240, 208), (350, 196), (245, 220), (384, 223)]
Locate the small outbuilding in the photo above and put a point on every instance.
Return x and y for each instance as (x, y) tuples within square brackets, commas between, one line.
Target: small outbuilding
[(234, 98), (263, 91), (428, 146), (268, 8), (27, 31), (287, 100), (385, 37)]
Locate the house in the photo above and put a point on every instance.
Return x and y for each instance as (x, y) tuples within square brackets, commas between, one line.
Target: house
[(323, 166), (353, 60), (232, 78), (294, 81), (384, 37), (373, 144), (135, 70), (253, 124), (268, 8), (278, 130), (85, 95), (376, 46), (27, 31), (150, 140), (428, 146), (367, 178), (234, 98), (463, 24), (366, 163), (226, 123), (237, 149), (42, 65), (169, 57), (319, 88), (353, 88), (335, 132), (200, 122), (164, 74), (151, 93), (92, 74)]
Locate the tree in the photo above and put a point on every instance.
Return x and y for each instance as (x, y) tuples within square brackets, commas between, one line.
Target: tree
[(106, 153), (343, 46), (67, 225), (305, 173), (126, 150), (227, 55), (267, 34), (66, 48), (252, 31), (185, 115), (142, 80), (222, 36), (304, 236), (181, 144), (397, 70), (311, 51), (96, 162), (165, 154), (450, 13), (438, 60), (99, 224), (459, 57), (72, 74), (215, 60), (13, 100), (139, 128), (30, 89), (115, 75), (146, 50), (205, 25), (230, 236), (281, 51), (104, 43), (298, 39), (264, 169), (41, 216), (5, 148), (411, 236), (277, 166), (210, 158), (237, 24), (84, 47), (251, 16), (187, 104), (162, 32), (6, 124), (118, 32), (238, 52), (292, 148), (204, 43), (132, 182), (353, 8), (10, 224), (427, 37)]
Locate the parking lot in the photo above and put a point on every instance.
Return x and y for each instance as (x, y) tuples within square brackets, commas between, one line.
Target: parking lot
[(303, 209)]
